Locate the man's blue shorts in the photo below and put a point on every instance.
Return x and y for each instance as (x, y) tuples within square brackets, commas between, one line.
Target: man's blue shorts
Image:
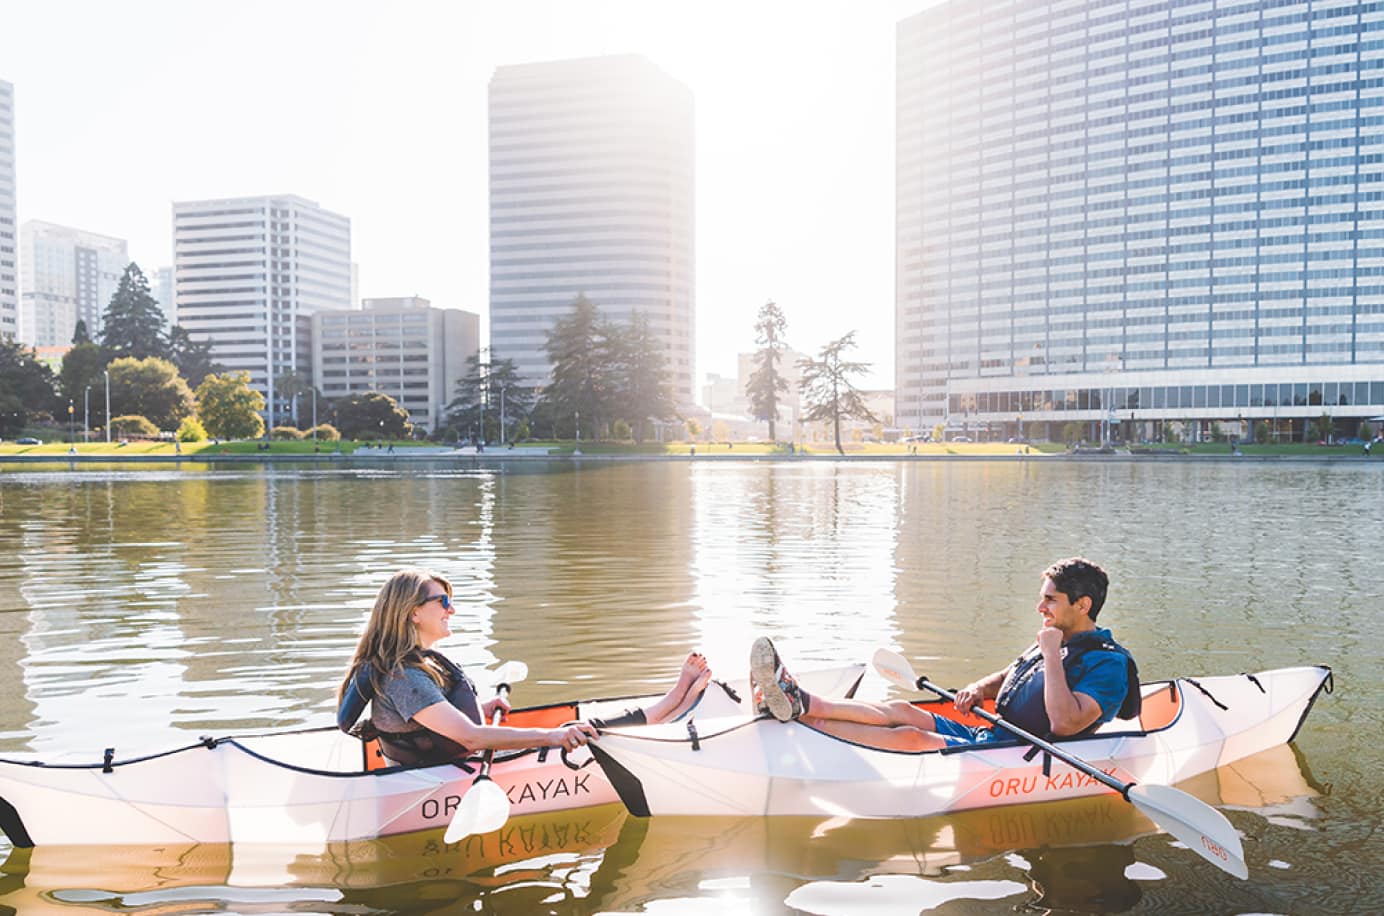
[(954, 733)]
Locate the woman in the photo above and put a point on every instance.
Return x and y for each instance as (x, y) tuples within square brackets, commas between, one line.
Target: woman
[(425, 709)]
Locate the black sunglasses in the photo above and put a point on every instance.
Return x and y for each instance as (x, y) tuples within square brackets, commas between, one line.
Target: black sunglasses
[(444, 598)]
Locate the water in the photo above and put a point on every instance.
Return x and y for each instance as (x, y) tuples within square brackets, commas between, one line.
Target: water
[(139, 608)]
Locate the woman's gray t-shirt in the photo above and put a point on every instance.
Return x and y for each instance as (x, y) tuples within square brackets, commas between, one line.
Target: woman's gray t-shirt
[(408, 691)]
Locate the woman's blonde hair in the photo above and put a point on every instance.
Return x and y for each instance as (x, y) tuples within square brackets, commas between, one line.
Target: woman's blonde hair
[(390, 641)]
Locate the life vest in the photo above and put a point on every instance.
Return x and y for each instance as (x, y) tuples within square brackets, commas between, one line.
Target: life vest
[(1020, 699), (416, 745)]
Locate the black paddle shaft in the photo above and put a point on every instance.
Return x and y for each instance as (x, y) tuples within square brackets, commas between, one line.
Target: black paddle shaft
[(1076, 762)]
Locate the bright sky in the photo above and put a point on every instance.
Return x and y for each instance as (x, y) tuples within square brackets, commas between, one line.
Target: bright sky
[(378, 111)]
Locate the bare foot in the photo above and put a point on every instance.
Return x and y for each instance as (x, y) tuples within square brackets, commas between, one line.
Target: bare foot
[(692, 668), (690, 698)]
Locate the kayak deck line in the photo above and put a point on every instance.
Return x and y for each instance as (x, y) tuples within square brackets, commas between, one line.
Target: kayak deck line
[(307, 785), (759, 766)]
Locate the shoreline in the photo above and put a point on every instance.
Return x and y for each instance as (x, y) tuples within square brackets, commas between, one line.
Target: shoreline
[(503, 456)]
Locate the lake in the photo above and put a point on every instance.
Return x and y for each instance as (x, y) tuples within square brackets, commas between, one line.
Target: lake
[(143, 607)]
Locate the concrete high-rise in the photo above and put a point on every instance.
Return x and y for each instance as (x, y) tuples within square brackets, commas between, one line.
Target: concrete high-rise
[(67, 275), (9, 219), (1116, 212), (591, 192), (249, 272)]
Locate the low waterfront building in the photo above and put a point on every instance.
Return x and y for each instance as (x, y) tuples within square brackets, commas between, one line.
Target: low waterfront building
[(402, 347)]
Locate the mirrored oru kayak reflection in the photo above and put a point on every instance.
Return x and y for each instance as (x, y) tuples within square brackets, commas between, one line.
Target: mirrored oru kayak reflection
[(615, 862)]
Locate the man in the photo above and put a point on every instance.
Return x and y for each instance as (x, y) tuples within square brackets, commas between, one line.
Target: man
[(1073, 679)]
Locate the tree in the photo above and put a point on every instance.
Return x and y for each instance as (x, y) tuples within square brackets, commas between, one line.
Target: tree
[(578, 348), (827, 390), (133, 322), (228, 407), (80, 335), (370, 415), (83, 368), (193, 359), (133, 425), (150, 388), (765, 382), (481, 388), (640, 375), (191, 430), (289, 385), (26, 386)]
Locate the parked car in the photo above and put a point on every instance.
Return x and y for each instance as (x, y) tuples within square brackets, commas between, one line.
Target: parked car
[(29, 440), (961, 438)]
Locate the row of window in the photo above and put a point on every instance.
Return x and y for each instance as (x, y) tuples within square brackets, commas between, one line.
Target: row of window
[(1172, 397)]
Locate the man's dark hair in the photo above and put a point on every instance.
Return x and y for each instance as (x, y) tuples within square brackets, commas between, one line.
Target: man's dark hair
[(1077, 578)]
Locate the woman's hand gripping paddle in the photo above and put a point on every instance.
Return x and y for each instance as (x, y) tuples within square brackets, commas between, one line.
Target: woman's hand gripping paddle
[(485, 807), (1200, 827)]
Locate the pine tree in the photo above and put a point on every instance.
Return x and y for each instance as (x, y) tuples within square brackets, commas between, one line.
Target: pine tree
[(193, 359), (79, 333), (641, 375), (765, 382), (578, 347), (133, 322), (827, 390)]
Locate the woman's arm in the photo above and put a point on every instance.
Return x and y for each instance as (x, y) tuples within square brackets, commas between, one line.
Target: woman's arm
[(446, 719)]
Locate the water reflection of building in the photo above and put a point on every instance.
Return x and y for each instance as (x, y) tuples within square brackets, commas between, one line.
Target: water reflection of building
[(581, 561)]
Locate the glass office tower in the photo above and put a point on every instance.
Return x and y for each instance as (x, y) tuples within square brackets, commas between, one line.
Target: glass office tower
[(1129, 212)]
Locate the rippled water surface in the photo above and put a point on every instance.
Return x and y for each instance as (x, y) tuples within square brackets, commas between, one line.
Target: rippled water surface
[(140, 608)]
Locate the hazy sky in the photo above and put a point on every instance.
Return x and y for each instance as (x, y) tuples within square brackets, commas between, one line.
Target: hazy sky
[(378, 111)]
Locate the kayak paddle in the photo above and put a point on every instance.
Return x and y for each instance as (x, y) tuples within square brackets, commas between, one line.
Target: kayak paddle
[(485, 807), (1196, 824)]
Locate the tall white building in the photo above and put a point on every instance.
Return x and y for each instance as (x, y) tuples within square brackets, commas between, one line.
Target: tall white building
[(66, 275), (249, 272), (402, 347), (9, 220), (591, 191)]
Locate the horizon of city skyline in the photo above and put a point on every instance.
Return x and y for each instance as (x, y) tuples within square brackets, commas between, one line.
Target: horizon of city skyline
[(761, 215)]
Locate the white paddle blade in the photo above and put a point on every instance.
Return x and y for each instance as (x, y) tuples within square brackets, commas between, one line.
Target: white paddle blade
[(483, 809), (1200, 827), (895, 669), (511, 672)]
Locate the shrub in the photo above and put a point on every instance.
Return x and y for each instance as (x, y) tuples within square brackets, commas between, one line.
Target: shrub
[(622, 430), (191, 430), (286, 432), (133, 425), (521, 431), (1263, 433), (325, 432)]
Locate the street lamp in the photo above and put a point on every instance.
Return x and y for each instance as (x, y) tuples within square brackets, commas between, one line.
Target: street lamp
[(578, 425), (108, 407), (86, 413), (314, 413), (502, 415), (71, 423)]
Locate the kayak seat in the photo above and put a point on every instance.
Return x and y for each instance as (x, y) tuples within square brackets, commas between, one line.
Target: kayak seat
[(374, 755), (1162, 702)]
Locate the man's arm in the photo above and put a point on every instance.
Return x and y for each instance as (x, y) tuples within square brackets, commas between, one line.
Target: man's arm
[(987, 688), (1068, 712)]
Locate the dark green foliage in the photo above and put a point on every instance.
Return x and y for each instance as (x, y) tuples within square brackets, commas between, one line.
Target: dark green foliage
[(480, 391), (80, 335), (828, 393), (26, 387), (84, 367), (133, 322), (370, 415), (765, 382), (193, 359)]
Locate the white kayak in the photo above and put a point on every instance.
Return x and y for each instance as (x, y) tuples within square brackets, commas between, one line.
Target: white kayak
[(311, 786), (746, 765)]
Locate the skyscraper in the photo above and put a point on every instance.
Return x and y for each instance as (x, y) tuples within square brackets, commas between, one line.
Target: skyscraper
[(249, 272), (1112, 212), (591, 183), (68, 275), (9, 220)]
